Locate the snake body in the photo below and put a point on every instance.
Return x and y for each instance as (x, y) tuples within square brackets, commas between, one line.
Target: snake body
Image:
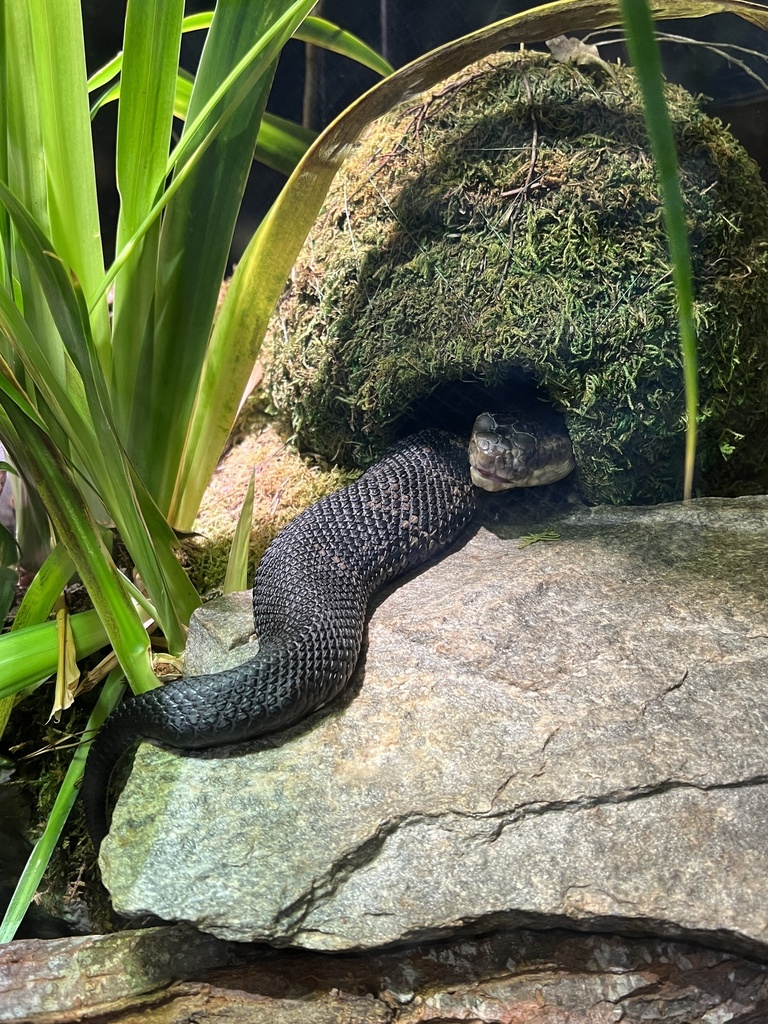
[(310, 597), (313, 586)]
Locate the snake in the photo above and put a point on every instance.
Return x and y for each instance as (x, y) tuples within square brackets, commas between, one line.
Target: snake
[(313, 586)]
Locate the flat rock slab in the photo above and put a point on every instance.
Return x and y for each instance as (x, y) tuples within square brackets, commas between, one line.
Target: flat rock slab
[(571, 733)]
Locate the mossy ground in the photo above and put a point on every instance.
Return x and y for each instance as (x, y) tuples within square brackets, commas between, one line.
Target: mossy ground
[(507, 227), (285, 483)]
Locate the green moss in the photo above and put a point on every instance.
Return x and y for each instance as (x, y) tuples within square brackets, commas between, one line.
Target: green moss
[(285, 484), (509, 224)]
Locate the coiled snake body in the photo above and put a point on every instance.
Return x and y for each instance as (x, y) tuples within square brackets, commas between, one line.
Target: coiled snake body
[(310, 597)]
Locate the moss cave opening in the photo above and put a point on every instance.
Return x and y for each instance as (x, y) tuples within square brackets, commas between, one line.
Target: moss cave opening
[(454, 405)]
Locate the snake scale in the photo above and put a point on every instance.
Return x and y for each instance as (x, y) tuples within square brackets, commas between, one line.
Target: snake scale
[(310, 597)]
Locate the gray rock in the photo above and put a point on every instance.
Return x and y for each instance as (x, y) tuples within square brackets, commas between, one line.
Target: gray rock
[(571, 733), (220, 635)]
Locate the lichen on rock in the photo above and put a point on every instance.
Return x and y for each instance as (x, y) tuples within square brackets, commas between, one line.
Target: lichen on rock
[(506, 229)]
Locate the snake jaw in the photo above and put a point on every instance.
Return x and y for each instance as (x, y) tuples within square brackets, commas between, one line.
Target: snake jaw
[(489, 481)]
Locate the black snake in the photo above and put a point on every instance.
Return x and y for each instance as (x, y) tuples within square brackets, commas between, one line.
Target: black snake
[(311, 593)]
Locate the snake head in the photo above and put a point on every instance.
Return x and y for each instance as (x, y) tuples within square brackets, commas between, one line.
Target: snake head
[(510, 450)]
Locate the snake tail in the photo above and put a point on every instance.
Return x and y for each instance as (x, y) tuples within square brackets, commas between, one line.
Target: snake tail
[(310, 599)]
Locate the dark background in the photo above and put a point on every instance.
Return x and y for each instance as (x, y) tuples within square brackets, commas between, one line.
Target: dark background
[(403, 30)]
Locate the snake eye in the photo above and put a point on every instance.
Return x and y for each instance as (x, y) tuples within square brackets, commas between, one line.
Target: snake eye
[(522, 440)]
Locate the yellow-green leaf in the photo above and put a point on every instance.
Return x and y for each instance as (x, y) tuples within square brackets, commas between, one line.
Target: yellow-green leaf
[(236, 577)]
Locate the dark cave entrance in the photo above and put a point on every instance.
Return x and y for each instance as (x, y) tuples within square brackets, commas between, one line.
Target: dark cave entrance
[(454, 405)]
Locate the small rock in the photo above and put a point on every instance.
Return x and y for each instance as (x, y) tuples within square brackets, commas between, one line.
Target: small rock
[(220, 634)]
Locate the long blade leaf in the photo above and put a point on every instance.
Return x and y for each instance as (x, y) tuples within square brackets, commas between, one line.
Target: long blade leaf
[(323, 33), (282, 144), (318, 31), (198, 227), (122, 491), (60, 79), (71, 518), (29, 655), (236, 577), (41, 595), (145, 120), (26, 177)]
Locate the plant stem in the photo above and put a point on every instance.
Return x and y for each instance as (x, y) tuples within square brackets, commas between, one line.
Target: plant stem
[(644, 53)]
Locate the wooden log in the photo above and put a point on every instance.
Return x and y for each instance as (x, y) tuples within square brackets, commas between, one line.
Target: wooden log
[(175, 975)]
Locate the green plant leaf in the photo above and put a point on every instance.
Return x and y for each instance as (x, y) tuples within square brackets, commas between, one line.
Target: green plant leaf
[(110, 474), (11, 387), (281, 143), (65, 397), (146, 532), (318, 31), (71, 518), (236, 577), (105, 74), (184, 84), (9, 578), (198, 226), (59, 291), (145, 120), (241, 81), (26, 177), (60, 80), (44, 590), (29, 655), (323, 33)]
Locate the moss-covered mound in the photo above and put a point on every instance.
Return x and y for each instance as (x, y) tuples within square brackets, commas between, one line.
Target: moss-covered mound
[(506, 229)]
